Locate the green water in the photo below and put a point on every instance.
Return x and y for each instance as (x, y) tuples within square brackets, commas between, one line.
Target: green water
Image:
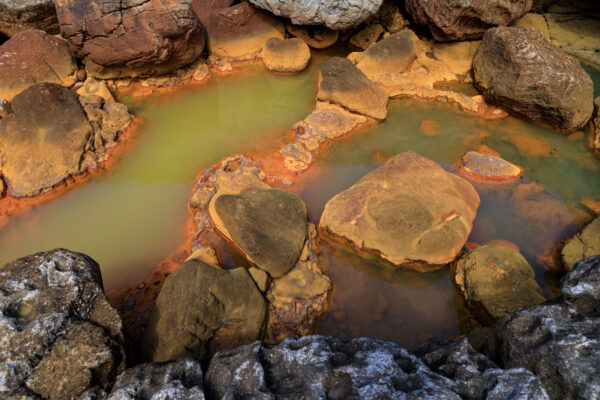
[(133, 216)]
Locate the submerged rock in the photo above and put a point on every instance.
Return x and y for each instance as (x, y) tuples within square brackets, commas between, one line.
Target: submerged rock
[(409, 211), (316, 367), (453, 20), (583, 245), (34, 57), (317, 37), (59, 336), (576, 33), (496, 280), (143, 38), (517, 68), (202, 309), (558, 340), (487, 167), (285, 55), (19, 16), (331, 13), (344, 84)]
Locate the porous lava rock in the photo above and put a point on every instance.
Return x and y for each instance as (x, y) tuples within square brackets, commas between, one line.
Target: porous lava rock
[(409, 211), (518, 69), (333, 14), (34, 57), (118, 39), (340, 82), (487, 167), (285, 55), (202, 309), (457, 20), (496, 280), (59, 336), (584, 244), (23, 15)]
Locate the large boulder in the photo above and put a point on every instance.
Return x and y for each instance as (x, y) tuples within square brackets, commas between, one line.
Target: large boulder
[(409, 211), (285, 55), (43, 140), (240, 31), (453, 20), (517, 68), (334, 14), (583, 245), (34, 57), (344, 84), (18, 16), (316, 367), (202, 309), (558, 340), (59, 336), (117, 39), (496, 280), (203, 8)]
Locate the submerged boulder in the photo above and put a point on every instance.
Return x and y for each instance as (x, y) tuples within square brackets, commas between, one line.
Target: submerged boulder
[(331, 13), (34, 57), (517, 68), (583, 245), (344, 84), (59, 336), (118, 40), (19, 16), (496, 280), (202, 309), (453, 20), (285, 55), (409, 211)]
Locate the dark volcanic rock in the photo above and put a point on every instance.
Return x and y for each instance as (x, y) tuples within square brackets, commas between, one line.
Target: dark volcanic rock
[(202, 309), (452, 20), (59, 335), (119, 39), (559, 340), (517, 68), (316, 367), (34, 57), (22, 15)]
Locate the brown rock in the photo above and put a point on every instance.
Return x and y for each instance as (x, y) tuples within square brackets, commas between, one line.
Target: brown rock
[(367, 36), (34, 57), (452, 20), (517, 68), (536, 21), (487, 167), (203, 8), (285, 55), (239, 32), (344, 84), (317, 37), (19, 16), (119, 40), (409, 211), (583, 245)]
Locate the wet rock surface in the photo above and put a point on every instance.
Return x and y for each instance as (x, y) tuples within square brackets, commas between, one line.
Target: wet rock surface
[(517, 68), (19, 16), (558, 340), (496, 280), (59, 335), (331, 13), (285, 55), (487, 167), (584, 244), (409, 211), (119, 40), (34, 57), (462, 19)]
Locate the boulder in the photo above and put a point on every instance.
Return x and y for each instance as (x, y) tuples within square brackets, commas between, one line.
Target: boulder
[(202, 309), (340, 82), (43, 140), (285, 55), (34, 57), (496, 280), (409, 211), (267, 225), (557, 340), (583, 245), (119, 40), (317, 37), (457, 20), (239, 32), (316, 367), (518, 69), (487, 167), (19, 16), (331, 13), (203, 8), (533, 20), (60, 336)]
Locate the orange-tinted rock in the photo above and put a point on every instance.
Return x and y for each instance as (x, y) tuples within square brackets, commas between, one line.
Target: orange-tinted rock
[(285, 55), (429, 128), (487, 167), (317, 37), (528, 144), (24, 15), (203, 8)]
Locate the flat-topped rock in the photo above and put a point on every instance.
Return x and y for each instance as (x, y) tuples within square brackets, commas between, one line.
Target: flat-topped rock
[(34, 57), (285, 55), (409, 211), (23, 15), (487, 167), (518, 69), (584, 244), (496, 280), (344, 84)]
